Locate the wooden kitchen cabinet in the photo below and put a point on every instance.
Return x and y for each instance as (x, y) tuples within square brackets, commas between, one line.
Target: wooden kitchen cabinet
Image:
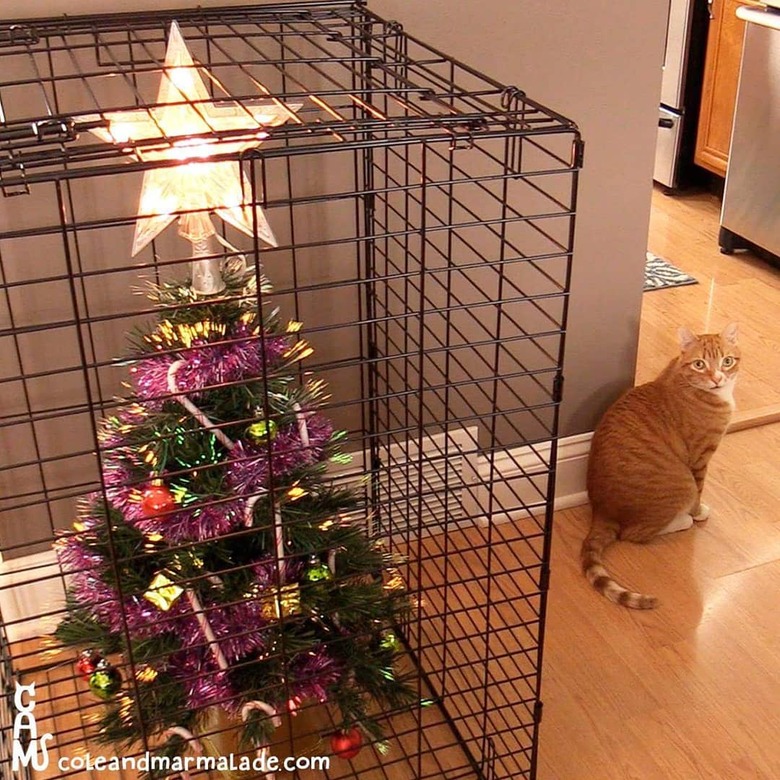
[(719, 91)]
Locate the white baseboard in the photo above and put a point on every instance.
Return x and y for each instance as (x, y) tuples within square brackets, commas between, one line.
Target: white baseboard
[(573, 452), (520, 484), (32, 586)]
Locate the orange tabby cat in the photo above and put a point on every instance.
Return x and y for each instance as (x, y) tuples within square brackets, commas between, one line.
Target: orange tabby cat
[(650, 453)]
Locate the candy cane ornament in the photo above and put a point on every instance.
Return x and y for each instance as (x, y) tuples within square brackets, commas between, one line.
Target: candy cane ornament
[(303, 429), (191, 408), (279, 537), (205, 627), (201, 417), (278, 531), (193, 742), (262, 749), (197, 608)]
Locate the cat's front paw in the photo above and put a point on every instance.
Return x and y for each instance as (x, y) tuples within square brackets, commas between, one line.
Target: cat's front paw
[(702, 514)]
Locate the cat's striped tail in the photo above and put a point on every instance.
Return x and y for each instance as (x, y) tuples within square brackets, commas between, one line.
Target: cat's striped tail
[(601, 535)]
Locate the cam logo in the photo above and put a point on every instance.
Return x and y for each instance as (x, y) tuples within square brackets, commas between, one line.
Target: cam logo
[(24, 723)]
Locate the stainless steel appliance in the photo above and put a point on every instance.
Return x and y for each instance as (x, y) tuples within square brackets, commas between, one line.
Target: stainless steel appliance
[(680, 91), (751, 200)]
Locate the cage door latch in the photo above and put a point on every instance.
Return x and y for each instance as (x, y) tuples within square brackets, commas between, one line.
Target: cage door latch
[(578, 153), (18, 35), (557, 389), (18, 186), (54, 130), (14, 139), (469, 127), (544, 578)]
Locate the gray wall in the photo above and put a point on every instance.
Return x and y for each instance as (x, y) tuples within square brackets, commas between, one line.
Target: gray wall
[(598, 62)]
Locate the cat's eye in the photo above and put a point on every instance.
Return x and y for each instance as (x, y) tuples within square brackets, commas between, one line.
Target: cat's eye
[(728, 361), (699, 365)]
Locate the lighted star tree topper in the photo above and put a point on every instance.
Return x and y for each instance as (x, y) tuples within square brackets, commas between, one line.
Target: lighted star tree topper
[(188, 124)]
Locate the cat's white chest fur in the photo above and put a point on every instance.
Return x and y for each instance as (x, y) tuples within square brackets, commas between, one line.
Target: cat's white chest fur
[(726, 393)]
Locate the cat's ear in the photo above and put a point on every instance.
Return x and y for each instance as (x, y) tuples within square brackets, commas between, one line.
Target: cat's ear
[(729, 333), (686, 338)]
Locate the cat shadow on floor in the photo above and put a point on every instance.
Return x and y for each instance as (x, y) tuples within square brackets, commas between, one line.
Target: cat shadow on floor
[(664, 568)]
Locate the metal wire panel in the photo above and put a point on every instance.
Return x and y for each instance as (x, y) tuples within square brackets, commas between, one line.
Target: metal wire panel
[(331, 55), (424, 215)]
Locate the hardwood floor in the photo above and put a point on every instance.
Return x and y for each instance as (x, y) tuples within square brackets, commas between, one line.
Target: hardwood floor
[(685, 692), (684, 230), (689, 690)]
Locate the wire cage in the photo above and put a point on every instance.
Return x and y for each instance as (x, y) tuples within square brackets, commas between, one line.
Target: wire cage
[(413, 219)]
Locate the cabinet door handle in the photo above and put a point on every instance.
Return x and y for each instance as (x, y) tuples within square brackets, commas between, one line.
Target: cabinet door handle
[(709, 9)]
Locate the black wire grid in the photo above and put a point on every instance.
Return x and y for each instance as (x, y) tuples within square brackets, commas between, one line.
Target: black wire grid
[(425, 216)]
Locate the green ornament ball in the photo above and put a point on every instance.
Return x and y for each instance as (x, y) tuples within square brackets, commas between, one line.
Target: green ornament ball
[(262, 431), (317, 571), (390, 641), (105, 681)]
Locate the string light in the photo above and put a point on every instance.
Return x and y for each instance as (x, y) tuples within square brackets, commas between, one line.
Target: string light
[(299, 350), (169, 336), (296, 492), (146, 674)]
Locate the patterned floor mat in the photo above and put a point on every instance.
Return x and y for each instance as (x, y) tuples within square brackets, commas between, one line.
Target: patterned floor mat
[(660, 273)]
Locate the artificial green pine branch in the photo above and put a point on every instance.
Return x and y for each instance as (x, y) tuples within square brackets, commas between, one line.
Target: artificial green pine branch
[(79, 629)]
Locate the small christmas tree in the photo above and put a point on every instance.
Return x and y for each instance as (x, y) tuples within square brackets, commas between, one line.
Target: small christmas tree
[(219, 561)]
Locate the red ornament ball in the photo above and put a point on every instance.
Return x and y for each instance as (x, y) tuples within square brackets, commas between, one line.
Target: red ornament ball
[(156, 500), (87, 663), (346, 744)]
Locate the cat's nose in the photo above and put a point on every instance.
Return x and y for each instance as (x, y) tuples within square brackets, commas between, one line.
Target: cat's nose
[(718, 378)]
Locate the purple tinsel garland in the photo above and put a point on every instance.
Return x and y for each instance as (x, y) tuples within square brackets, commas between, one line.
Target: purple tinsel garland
[(241, 628), (206, 685), (249, 470), (313, 672), (248, 473), (242, 356), (238, 627), (310, 675), (142, 618)]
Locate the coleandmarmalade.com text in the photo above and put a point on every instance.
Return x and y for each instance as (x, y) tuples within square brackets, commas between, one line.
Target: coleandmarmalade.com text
[(231, 762)]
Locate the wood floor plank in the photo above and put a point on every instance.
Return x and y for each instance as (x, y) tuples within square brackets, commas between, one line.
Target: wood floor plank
[(689, 690)]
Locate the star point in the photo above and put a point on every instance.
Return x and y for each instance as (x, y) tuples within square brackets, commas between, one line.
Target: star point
[(187, 124)]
